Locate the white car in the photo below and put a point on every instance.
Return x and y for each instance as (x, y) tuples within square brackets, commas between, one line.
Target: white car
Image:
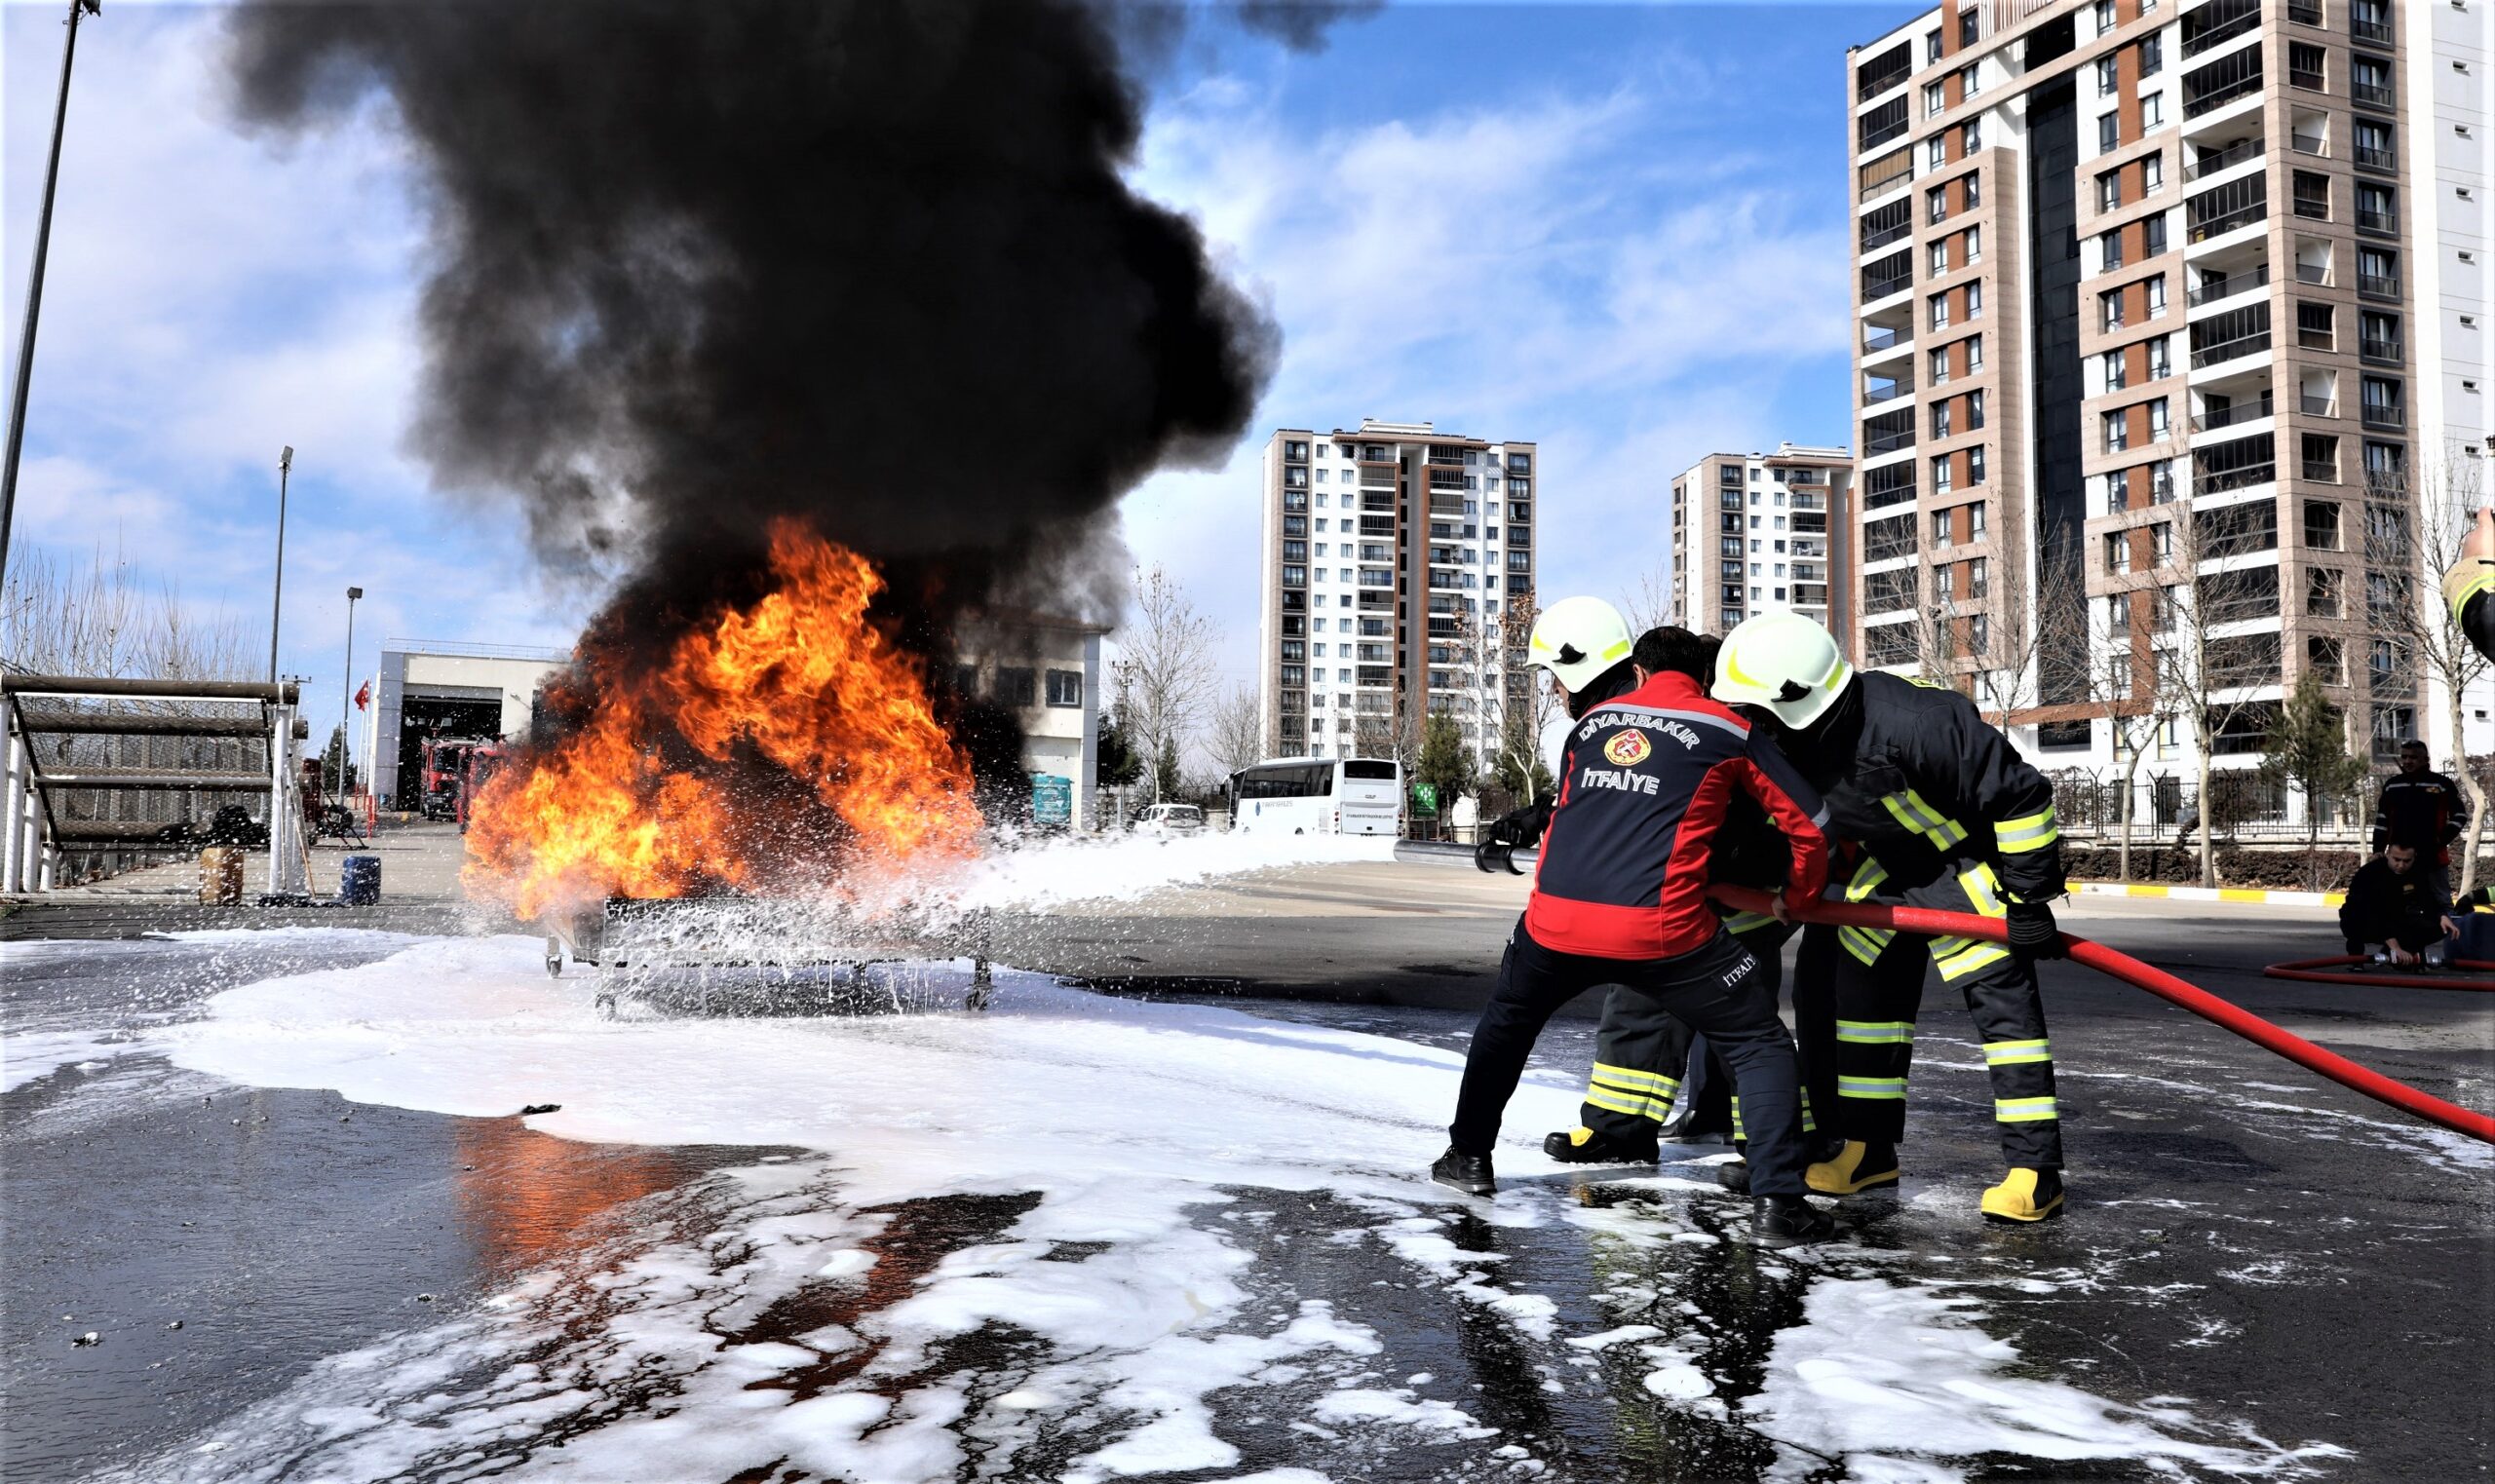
[(1167, 820)]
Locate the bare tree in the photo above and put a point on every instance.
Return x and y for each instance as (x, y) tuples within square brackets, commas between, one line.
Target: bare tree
[(1236, 737), (1650, 603), (1164, 671), (1527, 710), (58, 617), (2206, 657), (2414, 532), (2119, 675)]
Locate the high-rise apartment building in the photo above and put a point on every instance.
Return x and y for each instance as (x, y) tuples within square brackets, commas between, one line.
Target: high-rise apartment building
[(1752, 533), (2137, 316), (1397, 560)]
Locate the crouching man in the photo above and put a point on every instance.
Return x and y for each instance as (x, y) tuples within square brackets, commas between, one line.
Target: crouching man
[(1620, 898), (2395, 909)]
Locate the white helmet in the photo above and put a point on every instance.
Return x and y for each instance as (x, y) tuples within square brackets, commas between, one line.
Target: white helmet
[(1577, 639), (1784, 663)]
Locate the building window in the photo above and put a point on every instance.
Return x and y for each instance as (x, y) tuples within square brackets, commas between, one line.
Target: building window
[(1936, 205), (1932, 156), (1939, 259), (1941, 475), (2313, 195), (1939, 306), (1933, 101), (2152, 235), (2109, 309), (1974, 409), (1974, 292), (1975, 465), (1941, 522), (2109, 131), (2105, 16), (1971, 136), (2109, 250), (2152, 50), (2117, 430), (2109, 190), (2159, 367), (1975, 237), (2152, 112), (1976, 523), (2114, 363), (1937, 366), (2156, 289), (1975, 354), (2152, 174), (1930, 47)]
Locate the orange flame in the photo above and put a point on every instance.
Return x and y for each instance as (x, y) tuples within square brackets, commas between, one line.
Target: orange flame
[(802, 677)]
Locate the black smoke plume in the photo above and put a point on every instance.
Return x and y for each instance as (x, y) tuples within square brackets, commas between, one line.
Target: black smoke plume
[(695, 264)]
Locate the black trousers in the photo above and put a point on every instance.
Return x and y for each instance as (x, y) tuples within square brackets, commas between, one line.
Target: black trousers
[(1717, 990), (1649, 1065), (1857, 991)]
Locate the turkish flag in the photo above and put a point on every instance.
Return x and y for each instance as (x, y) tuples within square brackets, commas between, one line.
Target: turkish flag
[(363, 694)]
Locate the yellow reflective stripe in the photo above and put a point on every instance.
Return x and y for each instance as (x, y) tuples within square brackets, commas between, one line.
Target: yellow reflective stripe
[(1630, 1079), (1746, 922), (2027, 832), (2466, 582), (2022, 1110), (1983, 890), (1867, 879), (1913, 810), (1872, 1086), (1864, 943), (1957, 957), (1634, 1107), (1875, 1032), (2010, 1053)]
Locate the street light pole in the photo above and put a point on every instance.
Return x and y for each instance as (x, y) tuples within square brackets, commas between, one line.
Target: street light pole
[(277, 593), (346, 696), (34, 289)]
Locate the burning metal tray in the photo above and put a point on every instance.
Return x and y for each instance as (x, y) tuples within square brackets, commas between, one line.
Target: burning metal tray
[(656, 949)]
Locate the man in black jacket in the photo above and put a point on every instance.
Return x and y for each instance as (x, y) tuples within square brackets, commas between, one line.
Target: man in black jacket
[(2395, 908), (2422, 806)]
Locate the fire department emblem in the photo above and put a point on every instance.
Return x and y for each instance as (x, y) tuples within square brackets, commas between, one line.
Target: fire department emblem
[(1628, 749)]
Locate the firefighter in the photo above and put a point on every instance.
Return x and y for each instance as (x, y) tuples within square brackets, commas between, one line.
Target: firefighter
[(1654, 1080), (1619, 896), (2470, 586), (1938, 812), (2397, 910)]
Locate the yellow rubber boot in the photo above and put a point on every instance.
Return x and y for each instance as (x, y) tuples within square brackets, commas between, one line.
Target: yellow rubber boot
[(1856, 1167), (2025, 1195)]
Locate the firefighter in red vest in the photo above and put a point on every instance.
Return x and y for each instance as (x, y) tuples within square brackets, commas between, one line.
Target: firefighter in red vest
[(1647, 774)]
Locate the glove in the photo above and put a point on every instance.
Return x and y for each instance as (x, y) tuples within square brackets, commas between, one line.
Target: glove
[(2033, 934), (1520, 827)]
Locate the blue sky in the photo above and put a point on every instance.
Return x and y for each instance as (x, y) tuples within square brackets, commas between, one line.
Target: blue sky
[(1619, 230)]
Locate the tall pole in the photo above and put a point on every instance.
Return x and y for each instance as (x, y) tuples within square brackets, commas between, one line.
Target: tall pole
[(346, 696), (277, 591), (34, 289)]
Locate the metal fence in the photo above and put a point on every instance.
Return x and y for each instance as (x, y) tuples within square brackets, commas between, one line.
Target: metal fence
[(2245, 808)]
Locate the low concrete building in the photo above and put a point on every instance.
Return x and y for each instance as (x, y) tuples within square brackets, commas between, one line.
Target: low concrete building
[(428, 688), (1047, 669)]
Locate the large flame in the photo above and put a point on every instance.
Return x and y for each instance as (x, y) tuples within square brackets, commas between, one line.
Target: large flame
[(642, 801)]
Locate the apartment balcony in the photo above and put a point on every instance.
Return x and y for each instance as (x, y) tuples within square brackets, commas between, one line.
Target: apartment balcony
[(2381, 352), (2239, 19), (2372, 31), (1803, 502), (2228, 481), (1881, 389), (1883, 236), (1872, 87), (2208, 162), (2236, 349), (2234, 415), (1875, 289), (2387, 417), (2377, 223), (1890, 173), (2313, 145), (2219, 226), (2316, 406), (2374, 96), (2378, 286), (2304, 12), (2215, 98), (2311, 82), (1889, 443), (2318, 274), (2382, 160), (1883, 337), (2242, 281)]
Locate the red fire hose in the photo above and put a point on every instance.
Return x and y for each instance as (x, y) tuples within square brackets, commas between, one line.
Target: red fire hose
[(2157, 981), (2318, 972)]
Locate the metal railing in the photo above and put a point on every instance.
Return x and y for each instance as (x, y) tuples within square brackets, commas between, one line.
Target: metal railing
[(2385, 351), (1881, 288), (2233, 413), (1890, 393), (2378, 286), (2299, 77), (2390, 415), (2378, 32), (2223, 32), (2377, 157), (2234, 284), (1876, 338), (2210, 163), (2219, 226), (2304, 12), (2231, 350), (2218, 481), (1887, 235), (2310, 144), (2313, 272), (1872, 87), (2372, 220), (2318, 406), (2219, 97), (1889, 443), (2374, 96)]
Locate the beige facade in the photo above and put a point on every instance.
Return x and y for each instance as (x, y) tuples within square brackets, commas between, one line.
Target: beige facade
[(1047, 669), (2131, 295), (1397, 561), (1758, 532)]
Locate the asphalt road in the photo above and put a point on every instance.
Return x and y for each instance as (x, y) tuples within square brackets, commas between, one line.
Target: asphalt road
[(2290, 1257)]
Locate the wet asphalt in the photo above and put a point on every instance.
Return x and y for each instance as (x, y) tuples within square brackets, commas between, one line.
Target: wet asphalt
[(2280, 1252)]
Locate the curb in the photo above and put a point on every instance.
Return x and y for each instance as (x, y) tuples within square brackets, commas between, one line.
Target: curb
[(2208, 894)]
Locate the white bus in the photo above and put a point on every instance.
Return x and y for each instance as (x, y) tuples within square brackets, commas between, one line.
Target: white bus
[(1318, 796)]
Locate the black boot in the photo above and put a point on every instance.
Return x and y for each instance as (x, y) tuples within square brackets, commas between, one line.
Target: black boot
[(1469, 1173), (1734, 1175), (1592, 1146), (1788, 1221)]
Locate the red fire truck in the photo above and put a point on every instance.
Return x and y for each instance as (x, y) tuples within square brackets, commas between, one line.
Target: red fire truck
[(485, 760), (445, 765)]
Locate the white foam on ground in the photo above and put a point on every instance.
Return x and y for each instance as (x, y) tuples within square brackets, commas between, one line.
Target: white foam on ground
[(1128, 1119), (1124, 1115), (1899, 1381), (1056, 870), (29, 1056)]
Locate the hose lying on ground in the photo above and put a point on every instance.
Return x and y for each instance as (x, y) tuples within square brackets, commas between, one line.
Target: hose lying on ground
[(2319, 972), (2157, 981)]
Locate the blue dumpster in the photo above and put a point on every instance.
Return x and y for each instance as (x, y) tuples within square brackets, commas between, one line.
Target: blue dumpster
[(359, 880)]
